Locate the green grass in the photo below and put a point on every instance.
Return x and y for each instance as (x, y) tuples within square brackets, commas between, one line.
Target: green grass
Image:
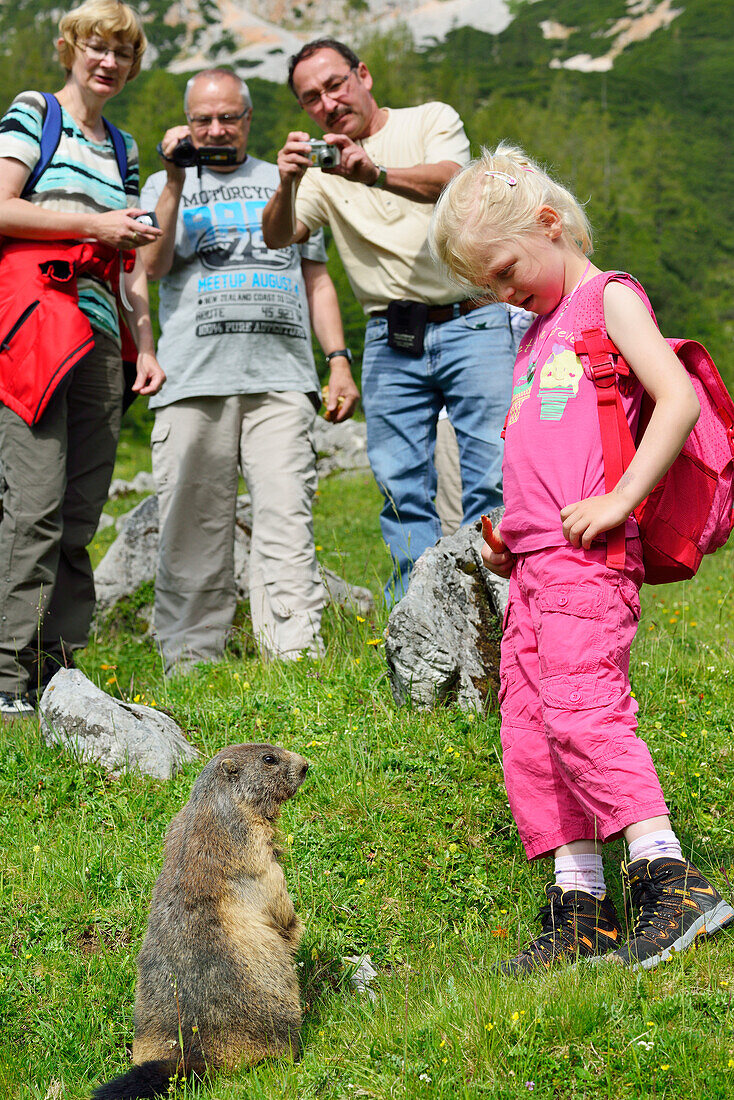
[(400, 844)]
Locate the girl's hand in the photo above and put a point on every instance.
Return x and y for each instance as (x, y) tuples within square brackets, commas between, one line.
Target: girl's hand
[(500, 564), (150, 374), (491, 537), (586, 519), (495, 555), (119, 229)]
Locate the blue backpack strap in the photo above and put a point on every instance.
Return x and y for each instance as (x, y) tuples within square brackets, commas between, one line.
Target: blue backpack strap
[(50, 137), (118, 143)]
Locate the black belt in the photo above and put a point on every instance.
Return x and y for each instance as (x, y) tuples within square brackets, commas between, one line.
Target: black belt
[(438, 314)]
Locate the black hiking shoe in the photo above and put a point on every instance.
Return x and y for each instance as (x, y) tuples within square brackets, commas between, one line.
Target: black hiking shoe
[(15, 706), (575, 925), (678, 906)]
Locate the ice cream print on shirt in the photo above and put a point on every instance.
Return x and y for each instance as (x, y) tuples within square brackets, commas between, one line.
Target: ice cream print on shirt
[(521, 392), (559, 381), (243, 287)]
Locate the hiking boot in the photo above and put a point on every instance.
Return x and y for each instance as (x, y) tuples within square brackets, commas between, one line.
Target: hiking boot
[(677, 907), (575, 925), (15, 706)]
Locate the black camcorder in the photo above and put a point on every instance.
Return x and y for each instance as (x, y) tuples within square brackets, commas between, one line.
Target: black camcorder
[(186, 155)]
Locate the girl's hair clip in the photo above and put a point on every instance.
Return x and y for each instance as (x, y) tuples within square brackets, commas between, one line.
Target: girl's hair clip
[(509, 180)]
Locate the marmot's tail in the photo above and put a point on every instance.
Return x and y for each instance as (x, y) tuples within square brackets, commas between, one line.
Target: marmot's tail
[(143, 1082)]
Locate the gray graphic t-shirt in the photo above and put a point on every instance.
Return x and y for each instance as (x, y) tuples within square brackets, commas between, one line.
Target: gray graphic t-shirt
[(234, 315)]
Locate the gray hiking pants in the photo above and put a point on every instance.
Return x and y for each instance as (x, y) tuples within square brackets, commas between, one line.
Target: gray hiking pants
[(54, 482)]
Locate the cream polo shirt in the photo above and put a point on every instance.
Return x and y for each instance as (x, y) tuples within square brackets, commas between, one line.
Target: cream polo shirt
[(381, 237)]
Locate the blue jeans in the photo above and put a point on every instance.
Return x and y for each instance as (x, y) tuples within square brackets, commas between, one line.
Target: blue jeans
[(466, 365)]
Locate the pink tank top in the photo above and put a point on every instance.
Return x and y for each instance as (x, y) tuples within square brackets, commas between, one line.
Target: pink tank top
[(553, 454)]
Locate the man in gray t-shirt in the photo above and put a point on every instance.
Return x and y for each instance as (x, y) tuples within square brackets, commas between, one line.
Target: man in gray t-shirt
[(241, 389)]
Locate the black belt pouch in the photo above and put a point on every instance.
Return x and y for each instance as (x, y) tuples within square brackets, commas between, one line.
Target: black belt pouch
[(406, 326)]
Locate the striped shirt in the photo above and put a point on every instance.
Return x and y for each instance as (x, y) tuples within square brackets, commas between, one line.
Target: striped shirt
[(81, 176)]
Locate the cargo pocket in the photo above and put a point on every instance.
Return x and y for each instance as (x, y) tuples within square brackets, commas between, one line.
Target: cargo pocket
[(577, 691), (569, 627), (630, 594), (158, 436), (578, 633)]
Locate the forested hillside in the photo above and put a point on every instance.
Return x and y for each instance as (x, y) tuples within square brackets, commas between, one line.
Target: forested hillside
[(646, 143)]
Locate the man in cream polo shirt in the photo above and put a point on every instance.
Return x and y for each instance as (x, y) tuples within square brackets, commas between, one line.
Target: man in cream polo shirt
[(425, 346)]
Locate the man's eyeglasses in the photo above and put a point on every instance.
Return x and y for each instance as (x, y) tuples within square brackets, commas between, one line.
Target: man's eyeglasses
[(203, 122), (334, 90), (97, 51)]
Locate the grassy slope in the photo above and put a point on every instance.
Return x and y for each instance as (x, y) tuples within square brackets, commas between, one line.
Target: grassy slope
[(399, 845)]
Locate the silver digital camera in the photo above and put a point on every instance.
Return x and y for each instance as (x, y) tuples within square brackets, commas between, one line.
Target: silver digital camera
[(323, 155)]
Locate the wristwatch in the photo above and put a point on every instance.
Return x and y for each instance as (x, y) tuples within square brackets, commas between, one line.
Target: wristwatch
[(381, 176), (340, 352)]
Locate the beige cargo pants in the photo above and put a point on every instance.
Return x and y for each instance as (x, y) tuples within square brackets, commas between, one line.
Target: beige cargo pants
[(448, 473), (199, 446)]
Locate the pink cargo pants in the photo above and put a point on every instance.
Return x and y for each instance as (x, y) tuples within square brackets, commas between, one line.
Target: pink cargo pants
[(574, 766)]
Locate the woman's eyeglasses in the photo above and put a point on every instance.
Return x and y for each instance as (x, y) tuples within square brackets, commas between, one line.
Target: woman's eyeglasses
[(97, 51)]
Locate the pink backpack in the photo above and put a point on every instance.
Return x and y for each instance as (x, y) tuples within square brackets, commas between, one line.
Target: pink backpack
[(689, 512)]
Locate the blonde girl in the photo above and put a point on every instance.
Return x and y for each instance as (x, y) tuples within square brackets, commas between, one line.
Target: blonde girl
[(577, 774)]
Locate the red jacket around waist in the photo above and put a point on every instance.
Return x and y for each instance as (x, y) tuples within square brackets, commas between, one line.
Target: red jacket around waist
[(43, 333)]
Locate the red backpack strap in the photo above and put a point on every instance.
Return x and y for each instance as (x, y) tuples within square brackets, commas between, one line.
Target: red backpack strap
[(605, 363)]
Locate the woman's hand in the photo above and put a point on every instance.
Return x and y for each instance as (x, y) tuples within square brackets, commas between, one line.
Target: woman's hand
[(150, 374), (119, 229)]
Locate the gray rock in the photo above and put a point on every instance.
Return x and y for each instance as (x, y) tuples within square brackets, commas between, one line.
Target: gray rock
[(132, 557), (442, 639), (119, 736), (142, 483), (363, 974), (350, 597), (340, 446)]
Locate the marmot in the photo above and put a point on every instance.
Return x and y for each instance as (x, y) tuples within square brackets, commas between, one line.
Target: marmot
[(217, 986)]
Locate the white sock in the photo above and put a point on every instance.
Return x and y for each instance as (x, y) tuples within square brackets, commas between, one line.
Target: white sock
[(663, 842), (581, 872)]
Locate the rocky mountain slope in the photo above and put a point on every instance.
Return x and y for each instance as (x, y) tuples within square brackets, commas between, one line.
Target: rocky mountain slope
[(257, 36)]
